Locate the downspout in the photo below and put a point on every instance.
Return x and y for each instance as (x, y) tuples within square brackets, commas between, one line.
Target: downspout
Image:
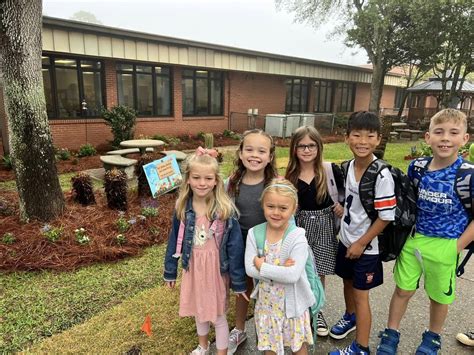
[(228, 101)]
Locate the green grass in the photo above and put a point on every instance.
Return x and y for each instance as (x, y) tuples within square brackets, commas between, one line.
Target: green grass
[(103, 305)]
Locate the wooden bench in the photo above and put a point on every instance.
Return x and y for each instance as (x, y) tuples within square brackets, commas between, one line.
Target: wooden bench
[(412, 134), (393, 135), (128, 151), (119, 162)]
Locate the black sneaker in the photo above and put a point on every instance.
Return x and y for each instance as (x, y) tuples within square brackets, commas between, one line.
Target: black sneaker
[(322, 326)]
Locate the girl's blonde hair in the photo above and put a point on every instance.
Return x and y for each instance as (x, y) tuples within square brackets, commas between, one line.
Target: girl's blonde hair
[(282, 187), (239, 169), (294, 169), (218, 203)]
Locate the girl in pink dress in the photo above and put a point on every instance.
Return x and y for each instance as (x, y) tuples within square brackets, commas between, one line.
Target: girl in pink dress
[(207, 238)]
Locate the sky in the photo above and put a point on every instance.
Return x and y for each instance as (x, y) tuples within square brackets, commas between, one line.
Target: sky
[(247, 24)]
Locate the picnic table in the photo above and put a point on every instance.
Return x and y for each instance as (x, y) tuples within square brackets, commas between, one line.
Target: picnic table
[(413, 134), (142, 144)]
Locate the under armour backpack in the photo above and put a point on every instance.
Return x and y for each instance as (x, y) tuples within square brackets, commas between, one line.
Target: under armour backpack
[(464, 187), (395, 234)]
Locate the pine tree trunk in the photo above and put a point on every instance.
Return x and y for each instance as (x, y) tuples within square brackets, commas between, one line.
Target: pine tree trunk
[(29, 134)]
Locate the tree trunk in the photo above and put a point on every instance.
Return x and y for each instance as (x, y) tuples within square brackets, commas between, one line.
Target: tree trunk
[(376, 86), (29, 134)]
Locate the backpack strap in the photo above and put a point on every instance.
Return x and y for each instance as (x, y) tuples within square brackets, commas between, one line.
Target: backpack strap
[(345, 168), (179, 240), (331, 182), (420, 165), (367, 186), (464, 186)]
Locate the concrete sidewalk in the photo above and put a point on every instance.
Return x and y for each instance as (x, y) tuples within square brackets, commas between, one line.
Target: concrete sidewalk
[(460, 317)]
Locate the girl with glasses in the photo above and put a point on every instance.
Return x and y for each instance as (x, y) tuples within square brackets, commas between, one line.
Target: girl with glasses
[(320, 188)]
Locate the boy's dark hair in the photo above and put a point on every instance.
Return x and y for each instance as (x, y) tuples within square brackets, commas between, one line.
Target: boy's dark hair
[(363, 120)]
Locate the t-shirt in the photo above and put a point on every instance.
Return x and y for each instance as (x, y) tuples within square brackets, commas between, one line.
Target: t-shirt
[(440, 212), (307, 192), (248, 204), (355, 221)]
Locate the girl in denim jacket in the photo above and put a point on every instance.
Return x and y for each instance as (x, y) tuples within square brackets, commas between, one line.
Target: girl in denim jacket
[(207, 237)]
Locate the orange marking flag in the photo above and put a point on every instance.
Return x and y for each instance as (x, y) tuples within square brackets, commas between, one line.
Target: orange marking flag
[(146, 327)]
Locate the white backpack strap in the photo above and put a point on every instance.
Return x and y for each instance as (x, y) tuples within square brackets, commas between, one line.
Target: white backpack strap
[(331, 182)]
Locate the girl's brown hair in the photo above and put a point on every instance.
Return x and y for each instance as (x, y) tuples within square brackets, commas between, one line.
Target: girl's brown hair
[(239, 169), (293, 170)]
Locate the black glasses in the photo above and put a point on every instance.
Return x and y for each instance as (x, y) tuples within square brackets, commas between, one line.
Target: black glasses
[(311, 147)]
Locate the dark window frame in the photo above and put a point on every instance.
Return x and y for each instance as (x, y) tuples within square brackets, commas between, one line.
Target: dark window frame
[(399, 92), (153, 74), (331, 88), (51, 67), (209, 79), (346, 85), (303, 84)]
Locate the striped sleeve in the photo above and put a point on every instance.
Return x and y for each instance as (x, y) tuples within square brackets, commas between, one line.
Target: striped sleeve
[(385, 201)]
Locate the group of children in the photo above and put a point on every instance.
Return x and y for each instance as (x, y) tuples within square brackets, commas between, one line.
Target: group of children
[(251, 233)]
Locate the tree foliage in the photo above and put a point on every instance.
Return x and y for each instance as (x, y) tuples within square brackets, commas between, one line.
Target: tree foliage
[(85, 16)]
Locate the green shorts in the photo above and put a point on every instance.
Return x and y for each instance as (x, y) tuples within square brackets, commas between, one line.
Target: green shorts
[(436, 259)]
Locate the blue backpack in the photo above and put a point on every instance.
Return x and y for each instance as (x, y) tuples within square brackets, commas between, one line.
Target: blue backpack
[(310, 268), (464, 187)]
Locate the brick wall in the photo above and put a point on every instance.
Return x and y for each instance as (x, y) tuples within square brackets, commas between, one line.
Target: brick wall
[(362, 97), (388, 97)]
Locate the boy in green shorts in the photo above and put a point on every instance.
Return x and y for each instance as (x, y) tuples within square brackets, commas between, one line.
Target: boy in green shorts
[(443, 229)]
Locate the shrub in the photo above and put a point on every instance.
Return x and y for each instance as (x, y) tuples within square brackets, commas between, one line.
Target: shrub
[(200, 135), (115, 184), (83, 189), (7, 161), (120, 239), (121, 120), (8, 238), (231, 134), (63, 154), (86, 150)]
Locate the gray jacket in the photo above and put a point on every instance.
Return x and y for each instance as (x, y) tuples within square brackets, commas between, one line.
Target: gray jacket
[(298, 294)]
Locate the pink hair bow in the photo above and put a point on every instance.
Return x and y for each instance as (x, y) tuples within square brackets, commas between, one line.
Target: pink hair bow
[(204, 151)]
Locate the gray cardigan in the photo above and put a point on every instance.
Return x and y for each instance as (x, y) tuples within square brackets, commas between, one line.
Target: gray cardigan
[(298, 294)]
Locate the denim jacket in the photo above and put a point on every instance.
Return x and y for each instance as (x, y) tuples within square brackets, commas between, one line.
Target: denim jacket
[(231, 250)]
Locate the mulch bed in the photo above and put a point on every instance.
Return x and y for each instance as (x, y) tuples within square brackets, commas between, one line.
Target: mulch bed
[(32, 251)]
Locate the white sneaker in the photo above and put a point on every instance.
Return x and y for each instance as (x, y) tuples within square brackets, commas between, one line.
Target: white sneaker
[(322, 326), (466, 338), (200, 350), (236, 337)]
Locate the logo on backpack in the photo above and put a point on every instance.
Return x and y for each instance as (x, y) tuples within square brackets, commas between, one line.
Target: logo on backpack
[(395, 234)]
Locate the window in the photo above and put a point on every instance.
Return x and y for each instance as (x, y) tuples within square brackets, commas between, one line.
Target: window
[(296, 95), (399, 92), (73, 87), (344, 97), (202, 93), (322, 96), (145, 88)]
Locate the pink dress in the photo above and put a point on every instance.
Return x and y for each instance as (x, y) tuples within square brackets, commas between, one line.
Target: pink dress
[(204, 291)]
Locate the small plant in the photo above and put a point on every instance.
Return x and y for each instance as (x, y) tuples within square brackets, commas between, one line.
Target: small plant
[(149, 211), (121, 120), (52, 234), (5, 208), (231, 134), (200, 135), (208, 140), (83, 189), (7, 161), (63, 154), (86, 150), (81, 236), (115, 184), (425, 150), (8, 238), (120, 239), (122, 225)]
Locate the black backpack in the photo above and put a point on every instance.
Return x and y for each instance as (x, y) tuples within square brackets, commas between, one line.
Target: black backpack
[(464, 187), (395, 234)]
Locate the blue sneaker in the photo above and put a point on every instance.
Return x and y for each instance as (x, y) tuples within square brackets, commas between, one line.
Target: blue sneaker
[(352, 349), (389, 339), (344, 326), (430, 344)]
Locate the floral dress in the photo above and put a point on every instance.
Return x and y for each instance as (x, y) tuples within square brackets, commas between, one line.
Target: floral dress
[(274, 330), (204, 291)]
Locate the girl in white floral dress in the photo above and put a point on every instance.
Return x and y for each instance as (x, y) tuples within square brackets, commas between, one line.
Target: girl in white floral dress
[(283, 292)]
